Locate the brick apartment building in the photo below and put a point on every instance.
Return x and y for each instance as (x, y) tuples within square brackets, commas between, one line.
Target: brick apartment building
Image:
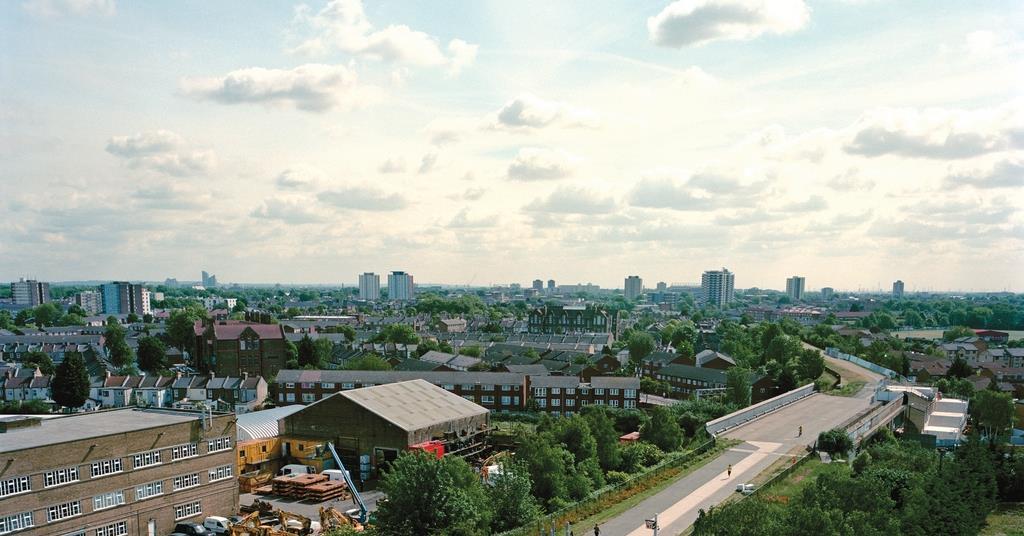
[(501, 392), (233, 347), (115, 473), (569, 319)]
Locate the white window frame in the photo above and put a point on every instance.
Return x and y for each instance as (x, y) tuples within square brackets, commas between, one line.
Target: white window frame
[(61, 511), (327, 385), (14, 522), (146, 459), (308, 397), (15, 485), (187, 510), (149, 490), (107, 500), (106, 467), (186, 450), (118, 528), (181, 482), (218, 444), (486, 399), (223, 472), (60, 477)]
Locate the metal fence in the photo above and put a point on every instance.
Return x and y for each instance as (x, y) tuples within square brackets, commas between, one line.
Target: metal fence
[(595, 502), (834, 352), (750, 413)]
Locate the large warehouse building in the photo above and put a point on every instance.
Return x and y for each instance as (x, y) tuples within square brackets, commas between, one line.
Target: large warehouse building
[(371, 426)]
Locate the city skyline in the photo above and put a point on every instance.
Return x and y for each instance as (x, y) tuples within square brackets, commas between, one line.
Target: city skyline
[(854, 143)]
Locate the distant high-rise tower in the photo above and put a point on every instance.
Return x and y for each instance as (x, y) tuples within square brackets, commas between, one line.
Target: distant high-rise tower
[(538, 285), (30, 292), (551, 286), (661, 286), (401, 286), (369, 286), (209, 281), (90, 301), (717, 286), (795, 287), (634, 287), (897, 289), (827, 293), (121, 298)]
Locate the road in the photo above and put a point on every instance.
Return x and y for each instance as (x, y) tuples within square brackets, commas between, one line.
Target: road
[(851, 373), (764, 441)]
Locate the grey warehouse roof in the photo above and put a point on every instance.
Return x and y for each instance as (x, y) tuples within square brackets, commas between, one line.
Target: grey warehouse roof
[(412, 405)]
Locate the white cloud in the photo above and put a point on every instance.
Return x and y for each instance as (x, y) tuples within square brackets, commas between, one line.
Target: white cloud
[(298, 178), (938, 133), (291, 210), (850, 181), (463, 220), (342, 25), (392, 165), (61, 8), (668, 193), (537, 164), (427, 163), (694, 22), (1007, 173), (528, 111), (163, 151), (363, 198), (569, 200), (312, 87)]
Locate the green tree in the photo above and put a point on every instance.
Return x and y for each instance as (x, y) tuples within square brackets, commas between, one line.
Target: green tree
[(367, 362), (471, 351), (602, 427), (640, 454), (427, 495), (152, 354), (960, 369), (291, 355), (38, 359), (323, 352), (955, 387), (662, 430), (6, 321), (71, 382), (349, 332), (957, 332), (46, 314), (510, 497), (835, 441), (992, 411), (181, 328), (114, 340), (811, 364), (548, 463), (640, 345), (737, 386), (307, 352), (397, 333)]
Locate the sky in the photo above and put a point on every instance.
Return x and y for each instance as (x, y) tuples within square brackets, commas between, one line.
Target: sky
[(473, 142)]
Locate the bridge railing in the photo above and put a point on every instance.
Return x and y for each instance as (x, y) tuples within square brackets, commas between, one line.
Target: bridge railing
[(762, 408), (891, 374), (870, 422)]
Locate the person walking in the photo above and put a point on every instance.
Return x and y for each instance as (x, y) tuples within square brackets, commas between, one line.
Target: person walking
[(728, 471), (800, 432), (597, 530)]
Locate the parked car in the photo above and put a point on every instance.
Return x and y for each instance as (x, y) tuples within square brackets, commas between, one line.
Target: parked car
[(192, 529), (217, 524), (745, 489), (334, 474)]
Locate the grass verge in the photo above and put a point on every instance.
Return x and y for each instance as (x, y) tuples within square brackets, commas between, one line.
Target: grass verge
[(666, 479), (847, 389), (1006, 520)]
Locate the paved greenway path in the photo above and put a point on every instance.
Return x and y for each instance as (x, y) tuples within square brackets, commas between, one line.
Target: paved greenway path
[(765, 440)]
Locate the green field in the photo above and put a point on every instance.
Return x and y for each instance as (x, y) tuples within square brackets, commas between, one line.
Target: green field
[(937, 333), (1006, 520)]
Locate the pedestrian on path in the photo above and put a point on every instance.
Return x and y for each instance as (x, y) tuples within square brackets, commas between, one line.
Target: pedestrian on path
[(597, 530), (728, 471), (800, 432)]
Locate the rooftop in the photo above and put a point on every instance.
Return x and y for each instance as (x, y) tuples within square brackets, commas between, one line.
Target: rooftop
[(88, 425), (262, 424), (413, 405)]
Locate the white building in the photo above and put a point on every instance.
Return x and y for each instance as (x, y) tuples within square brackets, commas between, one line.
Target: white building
[(717, 286), (210, 302), (401, 286), (634, 287), (369, 286), (795, 287)]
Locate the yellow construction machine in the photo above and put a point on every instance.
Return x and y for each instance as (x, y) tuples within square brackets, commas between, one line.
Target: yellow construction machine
[(332, 519)]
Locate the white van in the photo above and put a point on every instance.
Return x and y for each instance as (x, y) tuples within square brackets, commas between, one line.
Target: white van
[(334, 474), (296, 469), (217, 525)]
